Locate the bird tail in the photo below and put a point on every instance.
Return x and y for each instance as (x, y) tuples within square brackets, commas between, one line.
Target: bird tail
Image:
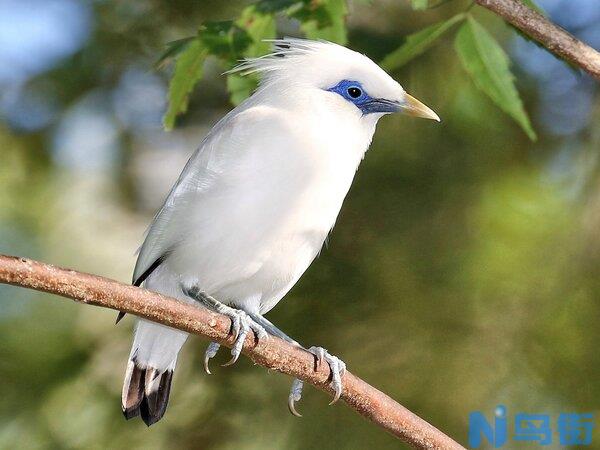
[(150, 370)]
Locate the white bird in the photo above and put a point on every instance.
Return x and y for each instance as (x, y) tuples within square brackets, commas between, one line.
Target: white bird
[(255, 203)]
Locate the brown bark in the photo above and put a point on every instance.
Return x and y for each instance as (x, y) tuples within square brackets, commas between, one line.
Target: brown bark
[(548, 34), (272, 353)]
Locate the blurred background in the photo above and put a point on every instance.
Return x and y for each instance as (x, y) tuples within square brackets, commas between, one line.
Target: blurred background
[(463, 271)]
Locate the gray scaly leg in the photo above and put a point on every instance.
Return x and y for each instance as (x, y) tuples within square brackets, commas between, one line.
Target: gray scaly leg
[(241, 324), (336, 365)]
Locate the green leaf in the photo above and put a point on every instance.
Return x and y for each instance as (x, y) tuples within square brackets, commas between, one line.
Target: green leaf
[(319, 19), (240, 87), (225, 40), (174, 48), (323, 19), (417, 43), (188, 70), (258, 26), (419, 5), (274, 6), (488, 65)]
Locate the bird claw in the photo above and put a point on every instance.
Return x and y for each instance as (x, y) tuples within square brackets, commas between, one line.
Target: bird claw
[(295, 396), (241, 324), (338, 370), (211, 351)]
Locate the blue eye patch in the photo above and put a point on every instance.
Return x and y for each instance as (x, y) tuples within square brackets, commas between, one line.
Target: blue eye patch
[(353, 92)]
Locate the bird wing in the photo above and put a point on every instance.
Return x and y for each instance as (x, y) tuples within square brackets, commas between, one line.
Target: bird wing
[(197, 177), (223, 146)]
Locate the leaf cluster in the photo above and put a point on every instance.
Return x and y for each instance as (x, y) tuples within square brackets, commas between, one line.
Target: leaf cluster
[(479, 53), (229, 42), (232, 41)]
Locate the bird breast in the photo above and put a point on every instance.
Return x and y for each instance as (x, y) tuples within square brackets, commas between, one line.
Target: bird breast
[(268, 218)]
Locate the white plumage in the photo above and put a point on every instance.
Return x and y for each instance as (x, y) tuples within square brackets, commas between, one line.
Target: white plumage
[(256, 201)]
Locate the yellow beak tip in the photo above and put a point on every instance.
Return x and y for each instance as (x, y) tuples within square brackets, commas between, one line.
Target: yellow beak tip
[(415, 108)]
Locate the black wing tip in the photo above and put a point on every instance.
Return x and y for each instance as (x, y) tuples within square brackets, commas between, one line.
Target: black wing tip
[(138, 282)]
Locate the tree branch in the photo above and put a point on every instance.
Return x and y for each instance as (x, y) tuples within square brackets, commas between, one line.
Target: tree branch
[(272, 353), (548, 34)]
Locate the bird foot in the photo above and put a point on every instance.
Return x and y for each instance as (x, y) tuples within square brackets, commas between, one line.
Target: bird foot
[(210, 353), (241, 325), (338, 369)]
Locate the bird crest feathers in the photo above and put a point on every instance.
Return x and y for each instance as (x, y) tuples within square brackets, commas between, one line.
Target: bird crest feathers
[(286, 52), (319, 63)]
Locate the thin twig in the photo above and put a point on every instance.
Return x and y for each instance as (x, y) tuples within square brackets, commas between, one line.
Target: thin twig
[(548, 34), (272, 353)]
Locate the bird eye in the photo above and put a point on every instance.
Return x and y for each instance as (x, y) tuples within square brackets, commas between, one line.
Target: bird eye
[(354, 92)]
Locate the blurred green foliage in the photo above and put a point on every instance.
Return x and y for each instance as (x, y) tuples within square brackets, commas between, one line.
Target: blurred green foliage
[(231, 41), (481, 55), (463, 271), (418, 43)]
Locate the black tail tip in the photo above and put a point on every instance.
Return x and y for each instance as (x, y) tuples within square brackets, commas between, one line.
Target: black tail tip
[(144, 395), (148, 416), (130, 413), (154, 404)]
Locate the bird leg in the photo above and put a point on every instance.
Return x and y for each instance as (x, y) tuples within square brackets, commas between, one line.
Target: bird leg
[(272, 329), (241, 324), (336, 365)]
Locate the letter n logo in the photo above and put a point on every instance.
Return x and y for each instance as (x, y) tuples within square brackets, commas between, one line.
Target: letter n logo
[(480, 428)]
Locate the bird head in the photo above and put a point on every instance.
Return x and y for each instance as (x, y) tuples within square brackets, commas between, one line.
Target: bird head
[(342, 79)]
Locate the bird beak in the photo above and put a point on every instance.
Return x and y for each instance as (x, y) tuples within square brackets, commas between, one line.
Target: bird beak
[(413, 107)]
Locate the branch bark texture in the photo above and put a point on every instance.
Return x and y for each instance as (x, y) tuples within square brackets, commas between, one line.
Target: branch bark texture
[(272, 353), (548, 34)]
